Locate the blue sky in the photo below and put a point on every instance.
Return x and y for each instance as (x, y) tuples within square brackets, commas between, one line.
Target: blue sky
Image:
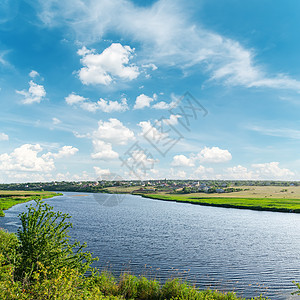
[(149, 89)]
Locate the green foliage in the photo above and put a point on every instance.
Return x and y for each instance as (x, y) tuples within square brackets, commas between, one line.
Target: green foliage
[(10, 198), (132, 287), (44, 240), (8, 247), (268, 204), (298, 288)]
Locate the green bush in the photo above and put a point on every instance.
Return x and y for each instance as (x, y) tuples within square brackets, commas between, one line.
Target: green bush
[(44, 240)]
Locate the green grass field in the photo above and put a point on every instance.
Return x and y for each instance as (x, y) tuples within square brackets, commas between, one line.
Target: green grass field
[(268, 204), (11, 198)]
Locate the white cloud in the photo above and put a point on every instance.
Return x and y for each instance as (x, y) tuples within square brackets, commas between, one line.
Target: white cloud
[(103, 105), (239, 173), (151, 66), (102, 172), (182, 161), (113, 131), (152, 133), (89, 106), (177, 174), (111, 106), (35, 93), (167, 36), (103, 151), (203, 170), (84, 51), (272, 171), (109, 133), (34, 74), (65, 151), (142, 101), (105, 67), (27, 158), (173, 120), (214, 155), (164, 105), (3, 137), (142, 163), (84, 176), (206, 155), (73, 98), (56, 121)]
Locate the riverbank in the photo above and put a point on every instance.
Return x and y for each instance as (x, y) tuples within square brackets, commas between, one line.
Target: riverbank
[(11, 198), (261, 204)]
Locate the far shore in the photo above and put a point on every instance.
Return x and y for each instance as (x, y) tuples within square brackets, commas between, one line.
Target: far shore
[(259, 204)]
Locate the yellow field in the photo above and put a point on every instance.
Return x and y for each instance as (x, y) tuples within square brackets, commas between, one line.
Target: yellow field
[(22, 193), (293, 192), (125, 190)]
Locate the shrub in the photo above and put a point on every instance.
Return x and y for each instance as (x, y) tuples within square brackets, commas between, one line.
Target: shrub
[(44, 240)]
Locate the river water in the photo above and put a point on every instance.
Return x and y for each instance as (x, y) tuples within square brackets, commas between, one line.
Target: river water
[(250, 252)]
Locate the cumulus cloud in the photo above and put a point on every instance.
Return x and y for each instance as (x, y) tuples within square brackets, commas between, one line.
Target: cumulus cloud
[(164, 105), (107, 106), (84, 176), (151, 132), (144, 163), (272, 170), (3, 137), (201, 170), (35, 93), (205, 155), (28, 158), (142, 101), (73, 98), (103, 151), (102, 172), (65, 151), (112, 106), (177, 174), (240, 173), (113, 131), (182, 161), (103, 68), (173, 120), (263, 171), (214, 155)]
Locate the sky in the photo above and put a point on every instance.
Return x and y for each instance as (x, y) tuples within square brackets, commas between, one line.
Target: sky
[(104, 89)]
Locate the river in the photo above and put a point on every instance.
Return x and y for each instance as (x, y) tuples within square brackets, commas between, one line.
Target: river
[(250, 252)]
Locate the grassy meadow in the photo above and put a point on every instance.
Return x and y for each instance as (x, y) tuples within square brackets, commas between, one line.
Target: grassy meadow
[(269, 198), (11, 198)]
